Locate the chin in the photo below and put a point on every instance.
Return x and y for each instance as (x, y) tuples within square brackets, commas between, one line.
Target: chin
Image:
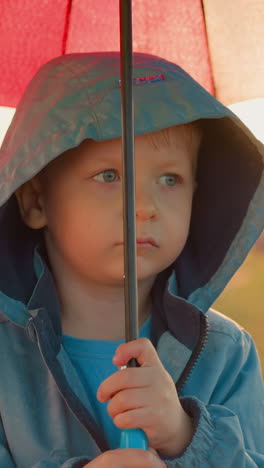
[(145, 274)]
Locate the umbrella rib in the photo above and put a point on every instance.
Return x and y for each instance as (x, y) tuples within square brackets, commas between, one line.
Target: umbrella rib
[(66, 26)]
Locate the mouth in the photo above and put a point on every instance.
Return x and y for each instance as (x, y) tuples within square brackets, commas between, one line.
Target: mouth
[(144, 242)]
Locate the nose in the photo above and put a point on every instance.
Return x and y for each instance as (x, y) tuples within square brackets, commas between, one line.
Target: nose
[(145, 205)]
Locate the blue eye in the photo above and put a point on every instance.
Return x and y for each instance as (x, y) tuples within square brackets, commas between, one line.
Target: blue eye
[(107, 176), (169, 179)]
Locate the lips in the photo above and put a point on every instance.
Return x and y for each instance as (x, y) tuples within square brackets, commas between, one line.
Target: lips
[(144, 242)]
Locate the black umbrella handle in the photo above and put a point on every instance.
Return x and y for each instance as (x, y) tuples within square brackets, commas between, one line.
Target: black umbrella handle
[(127, 108), (130, 438)]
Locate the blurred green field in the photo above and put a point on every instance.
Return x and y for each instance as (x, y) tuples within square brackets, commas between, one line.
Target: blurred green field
[(243, 300)]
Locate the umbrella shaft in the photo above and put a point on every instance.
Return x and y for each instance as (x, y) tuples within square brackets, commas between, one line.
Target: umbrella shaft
[(126, 68)]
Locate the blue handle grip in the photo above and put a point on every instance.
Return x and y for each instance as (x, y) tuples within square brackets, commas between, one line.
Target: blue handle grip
[(133, 438)]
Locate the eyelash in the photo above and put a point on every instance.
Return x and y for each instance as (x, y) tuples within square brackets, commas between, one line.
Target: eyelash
[(176, 176), (106, 170)]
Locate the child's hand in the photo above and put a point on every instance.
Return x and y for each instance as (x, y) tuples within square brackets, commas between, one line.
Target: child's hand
[(127, 458), (145, 397)]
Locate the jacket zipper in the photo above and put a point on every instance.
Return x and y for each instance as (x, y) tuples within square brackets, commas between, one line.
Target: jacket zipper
[(195, 354), (101, 447)]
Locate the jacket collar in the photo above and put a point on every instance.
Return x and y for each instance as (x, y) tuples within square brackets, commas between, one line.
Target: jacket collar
[(170, 312)]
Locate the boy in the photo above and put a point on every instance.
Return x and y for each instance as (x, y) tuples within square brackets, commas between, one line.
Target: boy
[(198, 393)]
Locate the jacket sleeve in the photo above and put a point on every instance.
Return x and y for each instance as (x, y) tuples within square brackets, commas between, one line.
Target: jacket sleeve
[(76, 462), (6, 460), (229, 431)]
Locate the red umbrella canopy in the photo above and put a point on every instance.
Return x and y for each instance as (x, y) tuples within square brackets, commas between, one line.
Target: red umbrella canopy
[(33, 32)]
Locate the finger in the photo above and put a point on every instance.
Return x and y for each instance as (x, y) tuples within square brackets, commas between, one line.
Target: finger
[(142, 418), (127, 458), (124, 379), (136, 458), (141, 349), (127, 400)]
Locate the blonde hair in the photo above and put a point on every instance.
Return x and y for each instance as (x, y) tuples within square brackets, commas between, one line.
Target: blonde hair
[(168, 136)]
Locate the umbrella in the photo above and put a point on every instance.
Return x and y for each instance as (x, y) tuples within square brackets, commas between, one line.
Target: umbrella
[(61, 36), (32, 32), (49, 29)]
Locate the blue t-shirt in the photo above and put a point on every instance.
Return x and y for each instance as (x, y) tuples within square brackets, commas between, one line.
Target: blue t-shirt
[(93, 362)]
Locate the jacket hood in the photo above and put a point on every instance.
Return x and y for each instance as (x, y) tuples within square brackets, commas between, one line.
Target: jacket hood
[(77, 96)]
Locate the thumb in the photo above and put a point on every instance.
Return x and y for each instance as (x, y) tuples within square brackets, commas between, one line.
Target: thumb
[(155, 453), (152, 450)]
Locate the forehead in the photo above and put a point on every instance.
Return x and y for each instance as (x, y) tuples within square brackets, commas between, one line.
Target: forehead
[(176, 141), (174, 144)]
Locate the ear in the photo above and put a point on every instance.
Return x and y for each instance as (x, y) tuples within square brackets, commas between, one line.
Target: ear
[(30, 202)]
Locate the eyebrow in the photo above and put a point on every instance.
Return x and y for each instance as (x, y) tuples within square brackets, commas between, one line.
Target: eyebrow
[(112, 161)]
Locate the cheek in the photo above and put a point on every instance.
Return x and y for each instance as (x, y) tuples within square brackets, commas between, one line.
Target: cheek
[(178, 206), (177, 221), (86, 225)]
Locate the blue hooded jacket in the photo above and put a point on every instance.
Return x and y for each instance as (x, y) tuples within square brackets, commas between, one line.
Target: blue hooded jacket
[(45, 415)]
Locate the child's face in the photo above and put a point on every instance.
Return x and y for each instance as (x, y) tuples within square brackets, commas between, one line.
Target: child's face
[(83, 210)]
